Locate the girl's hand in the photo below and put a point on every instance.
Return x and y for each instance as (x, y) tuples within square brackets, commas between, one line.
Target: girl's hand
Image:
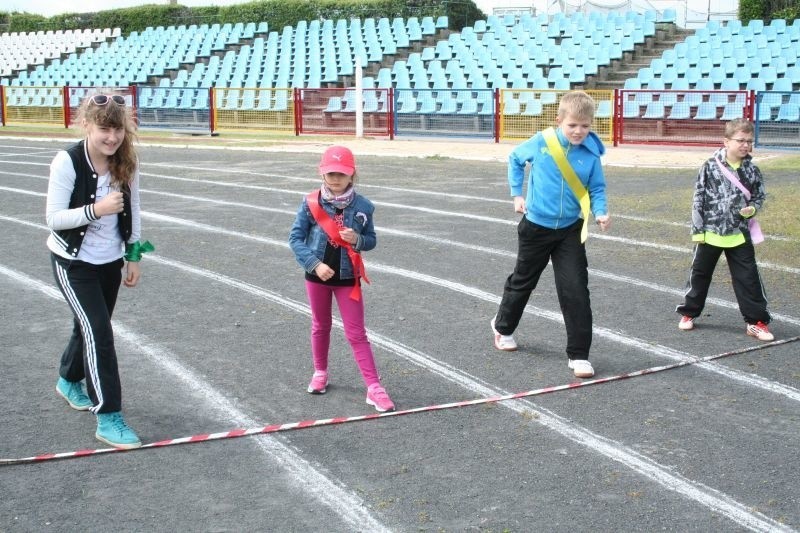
[(324, 272), (132, 274), (604, 221), (111, 204), (519, 205), (348, 235)]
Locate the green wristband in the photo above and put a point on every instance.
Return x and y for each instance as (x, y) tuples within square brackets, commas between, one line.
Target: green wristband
[(134, 250)]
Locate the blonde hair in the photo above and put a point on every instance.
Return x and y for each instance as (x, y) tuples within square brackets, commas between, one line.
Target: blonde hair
[(122, 163), (578, 104), (736, 125)]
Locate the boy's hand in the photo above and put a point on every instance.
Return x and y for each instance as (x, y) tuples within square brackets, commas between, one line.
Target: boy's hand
[(519, 205), (604, 221), (748, 211)]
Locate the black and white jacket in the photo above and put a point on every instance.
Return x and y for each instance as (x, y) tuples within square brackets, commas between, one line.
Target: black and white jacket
[(70, 203), (717, 201)]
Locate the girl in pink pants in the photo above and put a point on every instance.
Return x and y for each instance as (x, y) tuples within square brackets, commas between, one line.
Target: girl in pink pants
[(332, 227)]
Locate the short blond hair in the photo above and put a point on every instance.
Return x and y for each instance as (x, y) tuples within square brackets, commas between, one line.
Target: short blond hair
[(578, 104), (736, 125)]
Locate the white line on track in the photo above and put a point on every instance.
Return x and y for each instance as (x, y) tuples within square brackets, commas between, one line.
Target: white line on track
[(664, 476), (690, 489), (444, 242), (649, 347), (347, 505)]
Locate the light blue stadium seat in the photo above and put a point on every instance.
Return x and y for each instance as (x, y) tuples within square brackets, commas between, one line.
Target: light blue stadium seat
[(469, 107), (732, 110), (764, 113), (604, 109), (679, 111), (334, 104), (706, 111), (788, 112), (654, 110), (533, 108), (631, 109), (511, 107)]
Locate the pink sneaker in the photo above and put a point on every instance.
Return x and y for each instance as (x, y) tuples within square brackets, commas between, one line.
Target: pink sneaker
[(377, 398), (686, 323), (319, 382)]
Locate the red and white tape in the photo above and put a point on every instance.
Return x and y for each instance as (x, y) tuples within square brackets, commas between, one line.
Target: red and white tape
[(275, 428)]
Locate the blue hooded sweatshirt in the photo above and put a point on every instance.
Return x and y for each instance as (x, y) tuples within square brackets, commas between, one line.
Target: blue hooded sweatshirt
[(550, 202)]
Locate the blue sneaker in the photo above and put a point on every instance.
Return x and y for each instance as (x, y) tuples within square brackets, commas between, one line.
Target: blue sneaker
[(73, 392), (112, 429)]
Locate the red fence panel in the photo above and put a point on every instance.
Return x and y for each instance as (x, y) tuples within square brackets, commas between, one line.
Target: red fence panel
[(333, 111), (678, 117)]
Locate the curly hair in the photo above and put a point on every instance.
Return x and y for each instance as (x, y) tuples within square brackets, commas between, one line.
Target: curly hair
[(113, 115)]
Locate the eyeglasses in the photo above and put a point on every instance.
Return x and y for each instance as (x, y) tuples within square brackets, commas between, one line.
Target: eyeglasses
[(103, 99), (743, 141)]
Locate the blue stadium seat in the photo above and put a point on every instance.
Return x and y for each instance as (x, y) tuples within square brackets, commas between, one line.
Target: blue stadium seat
[(731, 111), (789, 112), (654, 110), (631, 109), (533, 108), (706, 111)]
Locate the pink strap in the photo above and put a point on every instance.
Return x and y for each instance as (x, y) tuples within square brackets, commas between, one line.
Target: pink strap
[(755, 228)]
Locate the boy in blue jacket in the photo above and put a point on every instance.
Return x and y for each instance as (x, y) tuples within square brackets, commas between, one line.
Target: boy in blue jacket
[(553, 224)]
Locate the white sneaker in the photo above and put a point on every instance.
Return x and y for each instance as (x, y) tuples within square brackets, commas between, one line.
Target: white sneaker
[(503, 342), (760, 331), (686, 323), (581, 368)]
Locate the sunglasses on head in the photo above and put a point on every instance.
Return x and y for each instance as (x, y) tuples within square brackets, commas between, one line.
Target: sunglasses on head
[(103, 99)]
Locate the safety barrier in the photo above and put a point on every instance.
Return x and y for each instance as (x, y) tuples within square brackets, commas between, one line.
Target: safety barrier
[(523, 112), (678, 117), (623, 116), (335, 111)]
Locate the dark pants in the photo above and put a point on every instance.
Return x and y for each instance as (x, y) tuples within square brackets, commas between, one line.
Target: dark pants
[(537, 246), (744, 274), (91, 292)]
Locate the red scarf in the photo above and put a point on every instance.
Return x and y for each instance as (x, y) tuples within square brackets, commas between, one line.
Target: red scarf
[(332, 230)]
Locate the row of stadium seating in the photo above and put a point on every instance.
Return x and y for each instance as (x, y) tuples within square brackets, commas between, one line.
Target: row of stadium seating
[(498, 54), (756, 56)]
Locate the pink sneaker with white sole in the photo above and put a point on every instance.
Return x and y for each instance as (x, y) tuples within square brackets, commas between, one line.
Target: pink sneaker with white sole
[(319, 382), (379, 399)]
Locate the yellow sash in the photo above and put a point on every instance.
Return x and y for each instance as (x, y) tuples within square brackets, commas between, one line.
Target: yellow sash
[(580, 192)]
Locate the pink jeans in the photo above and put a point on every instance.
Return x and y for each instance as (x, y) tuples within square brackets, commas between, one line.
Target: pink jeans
[(320, 297)]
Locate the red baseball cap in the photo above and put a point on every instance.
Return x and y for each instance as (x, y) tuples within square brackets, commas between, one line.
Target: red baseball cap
[(338, 159)]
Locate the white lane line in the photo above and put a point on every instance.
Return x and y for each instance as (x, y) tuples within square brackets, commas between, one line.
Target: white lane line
[(664, 476), (347, 505), (694, 490), (752, 380)]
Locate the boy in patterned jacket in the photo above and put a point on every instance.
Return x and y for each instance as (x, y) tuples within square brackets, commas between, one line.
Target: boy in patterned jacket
[(728, 193)]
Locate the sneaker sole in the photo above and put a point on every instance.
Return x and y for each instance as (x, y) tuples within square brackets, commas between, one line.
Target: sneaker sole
[(119, 445), (582, 375), (505, 349), (74, 406), (314, 391)]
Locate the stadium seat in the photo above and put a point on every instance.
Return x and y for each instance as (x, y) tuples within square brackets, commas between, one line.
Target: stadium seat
[(788, 112), (706, 111), (631, 109), (731, 111), (654, 110)]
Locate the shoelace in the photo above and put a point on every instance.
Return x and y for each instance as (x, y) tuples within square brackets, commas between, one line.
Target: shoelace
[(118, 423)]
